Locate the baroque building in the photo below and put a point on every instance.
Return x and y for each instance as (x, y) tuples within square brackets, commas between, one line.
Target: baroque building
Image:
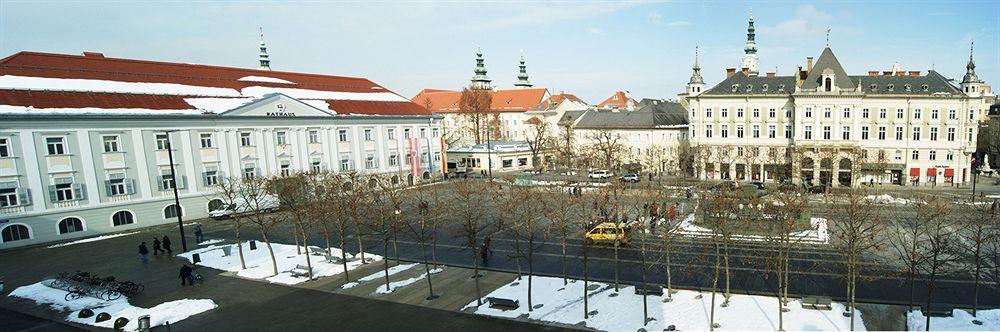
[(821, 125)]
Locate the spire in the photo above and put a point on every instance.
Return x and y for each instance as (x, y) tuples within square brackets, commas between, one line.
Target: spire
[(696, 70), (970, 68), (480, 81), (750, 58), (522, 76), (827, 37), (265, 62)]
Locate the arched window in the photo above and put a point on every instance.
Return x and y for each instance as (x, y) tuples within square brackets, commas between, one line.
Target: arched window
[(171, 211), (427, 175), (121, 218), (828, 84), (15, 232), (216, 204), (70, 225)]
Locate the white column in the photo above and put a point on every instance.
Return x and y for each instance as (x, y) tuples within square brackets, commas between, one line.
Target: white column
[(231, 139), (142, 168), (89, 173), (225, 166), (303, 145), (193, 184), (327, 146), (264, 151), (357, 144), (31, 156)]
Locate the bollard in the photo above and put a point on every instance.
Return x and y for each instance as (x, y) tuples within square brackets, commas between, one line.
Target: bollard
[(196, 258), (253, 245), (120, 323), (102, 317), (85, 313), (144, 323)]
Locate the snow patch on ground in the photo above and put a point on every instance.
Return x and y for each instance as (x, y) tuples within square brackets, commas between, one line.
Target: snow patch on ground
[(259, 266), (211, 242), (381, 274), (960, 320), (393, 286), (817, 235), (564, 304), (92, 239), (264, 79), (172, 311), (888, 199)]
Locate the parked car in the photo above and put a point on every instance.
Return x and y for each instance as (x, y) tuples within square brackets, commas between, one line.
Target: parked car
[(817, 189), (758, 184), (239, 206), (599, 174), (629, 177)]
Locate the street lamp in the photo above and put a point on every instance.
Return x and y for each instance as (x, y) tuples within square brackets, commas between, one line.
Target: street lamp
[(173, 180)]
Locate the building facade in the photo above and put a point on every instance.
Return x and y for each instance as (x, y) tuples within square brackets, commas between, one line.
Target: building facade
[(86, 141), (822, 125)]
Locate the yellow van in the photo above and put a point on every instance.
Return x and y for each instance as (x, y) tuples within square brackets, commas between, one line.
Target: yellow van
[(608, 233)]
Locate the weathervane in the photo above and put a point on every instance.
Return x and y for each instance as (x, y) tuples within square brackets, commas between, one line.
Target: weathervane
[(827, 36)]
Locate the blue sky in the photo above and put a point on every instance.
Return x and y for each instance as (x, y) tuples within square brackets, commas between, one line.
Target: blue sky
[(587, 48)]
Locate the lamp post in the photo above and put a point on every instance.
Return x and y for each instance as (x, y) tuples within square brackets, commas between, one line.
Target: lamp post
[(173, 180)]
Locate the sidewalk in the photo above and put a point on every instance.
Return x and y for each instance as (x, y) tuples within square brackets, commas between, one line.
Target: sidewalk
[(242, 304)]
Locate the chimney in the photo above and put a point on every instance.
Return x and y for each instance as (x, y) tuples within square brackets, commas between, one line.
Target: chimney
[(730, 72), (771, 74), (746, 71), (914, 73), (873, 73), (900, 73), (887, 73), (94, 55), (809, 64), (798, 76)]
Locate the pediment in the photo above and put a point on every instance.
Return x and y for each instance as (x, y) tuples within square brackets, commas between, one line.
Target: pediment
[(276, 105)]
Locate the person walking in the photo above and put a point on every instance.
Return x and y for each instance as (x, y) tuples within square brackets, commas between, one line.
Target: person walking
[(198, 235), (672, 213), (484, 251), (156, 247), (186, 275), (166, 244), (143, 253)]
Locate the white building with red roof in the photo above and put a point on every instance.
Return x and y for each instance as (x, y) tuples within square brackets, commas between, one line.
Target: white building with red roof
[(83, 139)]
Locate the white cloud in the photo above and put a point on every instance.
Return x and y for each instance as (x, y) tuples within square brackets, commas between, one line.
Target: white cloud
[(807, 22), (654, 16), (596, 31), (679, 23)]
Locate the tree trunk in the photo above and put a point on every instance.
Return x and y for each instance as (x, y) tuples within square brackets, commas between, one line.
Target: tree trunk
[(645, 306), (728, 294), (305, 243), (239, 247), (326, 237), (475, 271), (975, 289), (427, 269), (361, 247), (517, 255), (274, 261), (616, 266), (930, 288), (343, 255), (395, 243), (434, 243), (298, 250), (565, 278), (530, 271), (586, 282), (666, 254), (385, 265)]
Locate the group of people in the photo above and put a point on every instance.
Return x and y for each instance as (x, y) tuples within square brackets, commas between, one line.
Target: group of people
[(162, 245), (654, 214)]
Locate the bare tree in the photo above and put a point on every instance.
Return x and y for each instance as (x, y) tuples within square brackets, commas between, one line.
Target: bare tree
[(229, 191), (538, 140), (296, 197), (258, 198), (608, 147), (337, 207), (906, 241), (781, 217), (423, 225), (467, 203), (938, 248), (529, 229), (381, 215), (560, 210), (978, 234), (859, 224), (475, 107), (356, 197)]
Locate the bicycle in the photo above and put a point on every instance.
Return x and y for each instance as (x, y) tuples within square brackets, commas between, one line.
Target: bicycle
[(130, 288), (76, 293)]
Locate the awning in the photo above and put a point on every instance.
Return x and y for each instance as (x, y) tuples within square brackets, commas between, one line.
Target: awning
[(949, 172), (914, 172), (932, 171)]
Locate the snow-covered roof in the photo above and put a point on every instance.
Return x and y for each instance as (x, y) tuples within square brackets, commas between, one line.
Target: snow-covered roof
[(34, 83)]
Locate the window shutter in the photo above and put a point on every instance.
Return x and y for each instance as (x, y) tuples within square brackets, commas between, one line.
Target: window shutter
[(52, 194), (130, 186), (107, 187), (182, 182), (23, 197), (78, 193), (159, 182)]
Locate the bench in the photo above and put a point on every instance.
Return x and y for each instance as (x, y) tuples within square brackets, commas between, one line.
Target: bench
[(501, 303), (300, 271), (656, 290), (937, 310), (817, 303)]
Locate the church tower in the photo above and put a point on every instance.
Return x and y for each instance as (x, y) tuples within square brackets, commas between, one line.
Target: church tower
[(480, 81), (265, 62), (971, 85), (750, 58), (696, 83), (522, 76)]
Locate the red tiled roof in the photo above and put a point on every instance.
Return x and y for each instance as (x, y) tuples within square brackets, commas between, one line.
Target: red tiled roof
[(97, 67), (618, 100), (516, 100), (558, 98)]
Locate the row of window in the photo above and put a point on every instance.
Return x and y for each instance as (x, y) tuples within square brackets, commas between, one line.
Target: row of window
[(755, 132), (846, 113), (828, 134), (17, 232), (281, 137)]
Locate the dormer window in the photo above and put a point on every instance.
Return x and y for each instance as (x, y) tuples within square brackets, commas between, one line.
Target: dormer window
[(764, 87), (907, 87), (924, 87), (736, 87), (749, 87), (828, 84), (890, 87), (781, 87), (873, 87)]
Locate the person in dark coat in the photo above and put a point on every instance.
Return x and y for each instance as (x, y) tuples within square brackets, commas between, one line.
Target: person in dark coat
[(186, 275), (484, 251), (143, 253), (198, 234), (166, 244), (156, 246)]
